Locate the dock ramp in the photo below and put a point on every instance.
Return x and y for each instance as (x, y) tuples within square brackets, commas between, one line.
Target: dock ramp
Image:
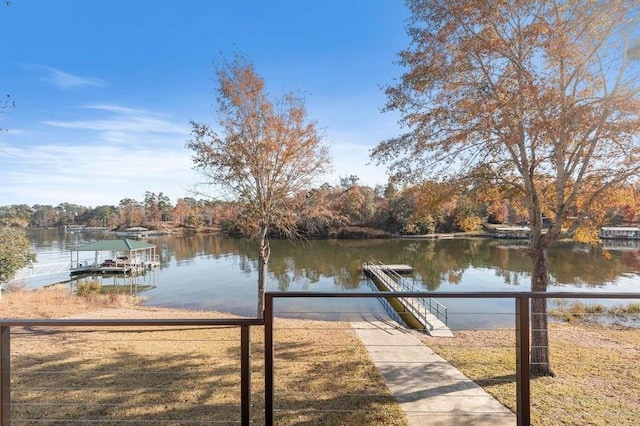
[(429, 314)]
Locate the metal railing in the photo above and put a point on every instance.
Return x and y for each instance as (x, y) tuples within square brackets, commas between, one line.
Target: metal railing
[(435, 307), (521, 320), (521, 343), (63, 365), (397, 282), (388, 307), (41, 269)]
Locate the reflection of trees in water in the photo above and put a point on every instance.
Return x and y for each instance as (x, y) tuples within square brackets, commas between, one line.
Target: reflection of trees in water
[(435, 262), (568, 265), (510, 262), (511, 277), (188, 248), (630, 259), (307, 262), (584, 267), (445, 261)]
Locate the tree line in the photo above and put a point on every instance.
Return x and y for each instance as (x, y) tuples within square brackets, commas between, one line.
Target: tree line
[(428, 207)]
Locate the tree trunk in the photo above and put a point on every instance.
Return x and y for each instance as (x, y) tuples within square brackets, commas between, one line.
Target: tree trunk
[(263, 258), (540, 364)]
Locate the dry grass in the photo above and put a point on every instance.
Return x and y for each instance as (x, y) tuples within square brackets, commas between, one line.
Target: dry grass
[(323, 374), (57, 301), (323, 366), (168, 375), (620, 314), (597, 372)]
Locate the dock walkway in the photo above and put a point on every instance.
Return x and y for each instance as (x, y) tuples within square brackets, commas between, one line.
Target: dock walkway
[(429, 390), (419, 309)]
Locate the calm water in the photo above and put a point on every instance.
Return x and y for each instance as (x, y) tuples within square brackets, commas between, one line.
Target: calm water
[(209, 273)]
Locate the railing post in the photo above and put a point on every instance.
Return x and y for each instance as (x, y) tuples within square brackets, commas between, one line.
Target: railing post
[(523, 394), (5, 376), (268, 361), (245, 374)]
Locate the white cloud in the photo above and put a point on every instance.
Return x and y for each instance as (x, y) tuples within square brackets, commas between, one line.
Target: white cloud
[(108, 152), (14, 132), (92, 175), (122, 120), (65, 80), (115, 152)]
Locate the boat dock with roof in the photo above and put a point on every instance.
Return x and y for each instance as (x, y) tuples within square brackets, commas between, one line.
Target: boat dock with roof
[(619, 233), (114, 257)]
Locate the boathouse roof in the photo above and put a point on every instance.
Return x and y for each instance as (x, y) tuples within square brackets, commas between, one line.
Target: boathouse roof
[(115, 245)]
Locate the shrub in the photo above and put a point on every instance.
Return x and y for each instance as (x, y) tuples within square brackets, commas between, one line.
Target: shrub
[(88, 287), (469, 223)]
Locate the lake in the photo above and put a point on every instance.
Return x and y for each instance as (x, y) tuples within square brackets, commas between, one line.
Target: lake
[(210, 273)]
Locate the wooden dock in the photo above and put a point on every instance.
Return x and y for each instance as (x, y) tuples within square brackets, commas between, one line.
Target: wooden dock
[(417, 312)]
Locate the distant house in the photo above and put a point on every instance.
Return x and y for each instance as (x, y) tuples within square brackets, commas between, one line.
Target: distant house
[(512, 232), (135, 232), (620, 233)]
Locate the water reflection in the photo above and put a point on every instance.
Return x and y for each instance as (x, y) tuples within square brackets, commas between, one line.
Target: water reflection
[(207, 272)]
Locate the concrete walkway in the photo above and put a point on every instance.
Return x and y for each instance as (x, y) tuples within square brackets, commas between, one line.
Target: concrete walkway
[(430, 391)]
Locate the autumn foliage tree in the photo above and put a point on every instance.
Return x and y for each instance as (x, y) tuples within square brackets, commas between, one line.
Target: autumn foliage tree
[(264, 154), (543, 94)]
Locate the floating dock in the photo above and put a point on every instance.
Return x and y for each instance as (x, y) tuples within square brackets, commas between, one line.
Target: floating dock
[(416, 312)]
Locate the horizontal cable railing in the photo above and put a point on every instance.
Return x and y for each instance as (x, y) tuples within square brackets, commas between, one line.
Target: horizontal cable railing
[(186, 371), (363, 369), (495, 358)]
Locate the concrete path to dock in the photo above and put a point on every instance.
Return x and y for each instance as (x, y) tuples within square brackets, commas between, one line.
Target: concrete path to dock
[(429, 389)]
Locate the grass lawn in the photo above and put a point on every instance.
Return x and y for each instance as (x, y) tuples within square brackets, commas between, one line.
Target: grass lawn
[(184, 374), (597, 372), (322, 372)]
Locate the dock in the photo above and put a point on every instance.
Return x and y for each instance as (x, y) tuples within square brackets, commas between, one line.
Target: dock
[(125, 257), (110, 267), (420, 313)]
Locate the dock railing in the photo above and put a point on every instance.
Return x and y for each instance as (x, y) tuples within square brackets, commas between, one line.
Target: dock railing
[(431, 304), (401, 283)]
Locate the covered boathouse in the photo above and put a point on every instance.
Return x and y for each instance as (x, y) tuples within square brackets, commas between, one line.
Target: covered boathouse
[(114, 257), (619, 233)]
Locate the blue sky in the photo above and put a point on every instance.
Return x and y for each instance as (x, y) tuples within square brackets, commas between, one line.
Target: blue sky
[(105, 90)]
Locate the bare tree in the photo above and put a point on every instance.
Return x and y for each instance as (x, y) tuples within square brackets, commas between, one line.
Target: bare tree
[(266, 152), (8, 103), (541, 95)]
